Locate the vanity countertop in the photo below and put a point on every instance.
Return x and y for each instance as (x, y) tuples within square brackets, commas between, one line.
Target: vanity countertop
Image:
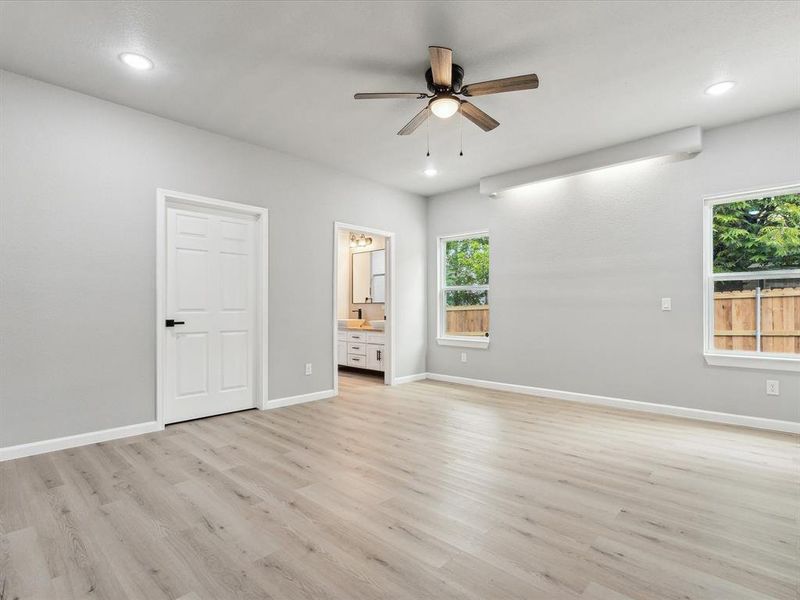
[(361, 329)]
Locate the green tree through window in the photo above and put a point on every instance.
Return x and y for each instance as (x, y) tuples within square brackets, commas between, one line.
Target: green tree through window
[(757, 235)]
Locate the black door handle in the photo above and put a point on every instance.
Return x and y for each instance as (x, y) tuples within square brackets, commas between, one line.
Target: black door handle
[(173, 322)]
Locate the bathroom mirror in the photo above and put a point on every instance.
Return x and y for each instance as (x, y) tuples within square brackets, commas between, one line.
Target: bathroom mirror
[(369, 277)]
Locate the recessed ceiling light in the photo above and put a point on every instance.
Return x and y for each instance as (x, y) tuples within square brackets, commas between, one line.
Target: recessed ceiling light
[(430, 172), (720, 88), (136, 61)]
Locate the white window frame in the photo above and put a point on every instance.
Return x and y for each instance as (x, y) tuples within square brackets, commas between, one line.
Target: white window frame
[(441, 337), (738, 358)]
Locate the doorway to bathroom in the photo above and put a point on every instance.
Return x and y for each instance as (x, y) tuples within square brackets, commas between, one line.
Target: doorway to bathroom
[(363, 298)]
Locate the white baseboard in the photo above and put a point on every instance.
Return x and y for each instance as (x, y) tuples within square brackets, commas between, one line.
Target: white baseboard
[(105, 435), (301, 399), (662, 409), (81, 439), (409, 378)]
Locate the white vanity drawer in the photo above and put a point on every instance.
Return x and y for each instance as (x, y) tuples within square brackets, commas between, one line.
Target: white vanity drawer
[(356, 360), (353, 348), (376, 338), (341, 336), (356, 336)]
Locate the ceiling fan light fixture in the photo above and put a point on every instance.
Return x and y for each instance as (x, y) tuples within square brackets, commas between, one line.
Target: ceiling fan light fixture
[(445, 106)]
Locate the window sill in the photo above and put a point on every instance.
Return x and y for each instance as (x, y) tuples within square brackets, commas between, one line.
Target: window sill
[(753, 361), (464, 342)]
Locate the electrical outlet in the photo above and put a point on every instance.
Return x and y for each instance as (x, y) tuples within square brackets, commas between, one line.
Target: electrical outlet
[(308, 368), (463, 357), (666, 304), (773, 387)]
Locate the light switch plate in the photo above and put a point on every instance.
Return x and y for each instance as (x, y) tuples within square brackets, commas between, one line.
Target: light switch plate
[(666, 304), (463, 357), (773, 387), (308, 368)]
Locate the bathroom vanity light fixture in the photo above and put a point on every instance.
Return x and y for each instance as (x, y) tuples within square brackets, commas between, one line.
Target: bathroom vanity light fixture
[(360, 242)]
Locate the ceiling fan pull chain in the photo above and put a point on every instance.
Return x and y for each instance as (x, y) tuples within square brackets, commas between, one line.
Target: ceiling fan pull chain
[(428, 136), (460, 132)]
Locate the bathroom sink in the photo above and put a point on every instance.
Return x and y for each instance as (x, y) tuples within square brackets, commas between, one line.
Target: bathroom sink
[(348, 323), (378, 324)]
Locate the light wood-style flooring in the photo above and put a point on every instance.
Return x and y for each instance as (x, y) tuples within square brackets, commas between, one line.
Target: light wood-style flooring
[(421, 491)]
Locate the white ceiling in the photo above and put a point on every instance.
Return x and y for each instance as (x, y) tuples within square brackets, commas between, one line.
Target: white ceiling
[(283, 74)]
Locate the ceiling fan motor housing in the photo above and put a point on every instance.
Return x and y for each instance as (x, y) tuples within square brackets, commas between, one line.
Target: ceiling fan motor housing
[(457, 79)]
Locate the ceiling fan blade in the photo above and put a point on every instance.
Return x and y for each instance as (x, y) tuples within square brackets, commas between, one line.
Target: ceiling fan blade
[(477, 116), (441, 65), (418, 120), (380, 96), (497, 86)]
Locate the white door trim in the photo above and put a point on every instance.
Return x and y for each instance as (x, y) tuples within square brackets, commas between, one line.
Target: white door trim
[(165, 198), (391, 297)]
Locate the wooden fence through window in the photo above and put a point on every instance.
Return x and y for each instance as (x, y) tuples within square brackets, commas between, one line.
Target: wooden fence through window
[(467, 320), (735, 322), (736, 325)]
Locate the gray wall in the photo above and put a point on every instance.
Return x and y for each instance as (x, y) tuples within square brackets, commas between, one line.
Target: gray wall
[(77, 261), (579, 265), (591, 254)]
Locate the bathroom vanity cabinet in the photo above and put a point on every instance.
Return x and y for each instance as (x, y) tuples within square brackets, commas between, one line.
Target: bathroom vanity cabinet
[(361, 348)]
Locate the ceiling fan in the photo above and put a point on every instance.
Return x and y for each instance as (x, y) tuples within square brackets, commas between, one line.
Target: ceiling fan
[(445, 85)]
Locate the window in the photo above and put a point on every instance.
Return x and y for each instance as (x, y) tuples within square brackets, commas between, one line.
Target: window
[(752, 270), (464, 290)]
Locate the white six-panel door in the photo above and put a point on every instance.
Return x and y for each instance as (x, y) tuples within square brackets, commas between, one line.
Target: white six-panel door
[(210, 287)]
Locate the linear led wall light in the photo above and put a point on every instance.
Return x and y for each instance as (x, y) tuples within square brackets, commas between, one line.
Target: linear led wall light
[(682, 143)]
